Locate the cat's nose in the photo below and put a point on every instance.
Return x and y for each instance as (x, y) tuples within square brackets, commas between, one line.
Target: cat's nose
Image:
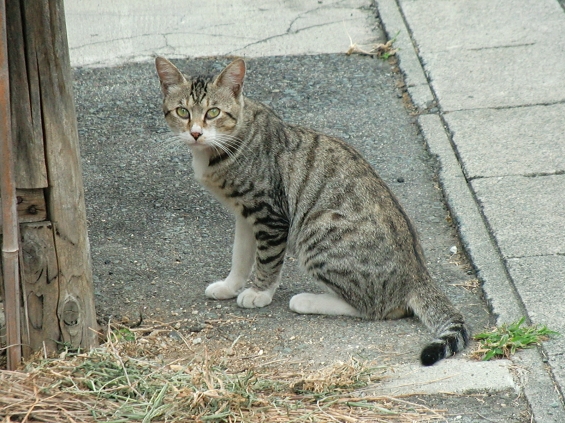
[(196, 131)]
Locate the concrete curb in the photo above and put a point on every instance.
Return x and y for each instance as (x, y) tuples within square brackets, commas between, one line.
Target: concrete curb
[(414, 75), (455, 376), (535, 376), (498, 288)]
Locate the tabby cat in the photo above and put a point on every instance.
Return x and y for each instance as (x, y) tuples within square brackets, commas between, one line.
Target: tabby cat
[(294, 189)]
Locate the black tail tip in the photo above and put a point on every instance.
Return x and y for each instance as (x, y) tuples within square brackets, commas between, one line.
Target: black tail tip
[(432, 353), (445, 346)]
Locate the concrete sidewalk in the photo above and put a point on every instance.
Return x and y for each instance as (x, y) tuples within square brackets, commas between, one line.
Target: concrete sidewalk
[(489, 81), (496, 71), (131, 31)]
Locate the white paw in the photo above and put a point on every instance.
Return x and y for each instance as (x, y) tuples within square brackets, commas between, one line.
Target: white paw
[(303, 303), (221, 290), (329, 304), (251, 298)]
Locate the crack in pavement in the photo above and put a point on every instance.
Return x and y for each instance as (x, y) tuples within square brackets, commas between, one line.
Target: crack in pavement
[(501, 47), (287, 34)]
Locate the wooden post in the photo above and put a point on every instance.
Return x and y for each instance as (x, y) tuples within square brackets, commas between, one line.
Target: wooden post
[(39, 286), (56, 266)]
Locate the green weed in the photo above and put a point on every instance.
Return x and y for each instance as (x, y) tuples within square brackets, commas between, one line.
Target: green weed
[(505, 340)]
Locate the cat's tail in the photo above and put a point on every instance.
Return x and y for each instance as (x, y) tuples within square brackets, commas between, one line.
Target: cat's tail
[(435, 310)]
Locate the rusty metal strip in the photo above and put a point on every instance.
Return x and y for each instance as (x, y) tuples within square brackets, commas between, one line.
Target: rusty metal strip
[(10, 239)]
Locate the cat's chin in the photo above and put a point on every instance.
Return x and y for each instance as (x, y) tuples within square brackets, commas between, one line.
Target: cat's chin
[(199, 147)]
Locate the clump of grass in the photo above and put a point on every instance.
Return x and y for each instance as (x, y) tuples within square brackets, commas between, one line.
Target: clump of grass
[(505, 340)]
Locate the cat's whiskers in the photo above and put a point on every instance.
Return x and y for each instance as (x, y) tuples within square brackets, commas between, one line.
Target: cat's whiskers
[(219, 146), (232, 141), (228, 143), (216, 147), (219, 142)]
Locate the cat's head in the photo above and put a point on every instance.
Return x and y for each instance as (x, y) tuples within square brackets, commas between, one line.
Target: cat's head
[(203, 111)]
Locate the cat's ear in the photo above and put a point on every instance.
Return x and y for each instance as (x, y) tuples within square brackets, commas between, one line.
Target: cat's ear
[(232, 77), (168, 74)]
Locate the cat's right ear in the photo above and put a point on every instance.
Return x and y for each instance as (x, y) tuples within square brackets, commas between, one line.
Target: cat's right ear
[(168, 74)]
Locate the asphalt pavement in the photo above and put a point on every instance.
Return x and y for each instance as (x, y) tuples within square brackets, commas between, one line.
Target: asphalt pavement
[(486, 115)]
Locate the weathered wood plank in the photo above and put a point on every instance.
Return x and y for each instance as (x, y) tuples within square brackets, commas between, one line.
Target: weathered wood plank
[(31, 205), (27, 132), (40, 287), (66, 208)]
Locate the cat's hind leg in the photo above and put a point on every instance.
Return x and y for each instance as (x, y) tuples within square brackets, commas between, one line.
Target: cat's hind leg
[(327, 303), (243, 256)]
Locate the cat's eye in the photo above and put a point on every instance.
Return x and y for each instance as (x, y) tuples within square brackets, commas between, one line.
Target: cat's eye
[(183, 113), (212, 113)]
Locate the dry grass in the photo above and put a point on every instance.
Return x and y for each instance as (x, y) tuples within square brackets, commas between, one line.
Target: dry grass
[(382, 51), (144, 375)]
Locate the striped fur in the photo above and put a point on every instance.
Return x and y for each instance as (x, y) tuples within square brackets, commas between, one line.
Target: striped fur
[(294, 189)]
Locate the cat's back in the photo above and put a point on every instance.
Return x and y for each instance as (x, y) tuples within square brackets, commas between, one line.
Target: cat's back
[(327, 182), (333, 174)]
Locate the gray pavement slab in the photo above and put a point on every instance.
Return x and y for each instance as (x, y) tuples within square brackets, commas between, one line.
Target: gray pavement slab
[(518, 60), (525, 213), (513, 76), (459, 25), (103, 33), (540, 386), (475, 237), (540, 281), (516, 141)]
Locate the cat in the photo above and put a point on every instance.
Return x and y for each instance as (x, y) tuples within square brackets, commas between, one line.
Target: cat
[(294, 189)]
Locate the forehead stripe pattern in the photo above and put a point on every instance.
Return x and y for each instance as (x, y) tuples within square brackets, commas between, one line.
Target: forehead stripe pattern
[(198, 89)]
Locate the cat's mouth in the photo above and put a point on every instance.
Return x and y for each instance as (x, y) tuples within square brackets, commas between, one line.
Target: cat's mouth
[(201, 144), (199, 141)]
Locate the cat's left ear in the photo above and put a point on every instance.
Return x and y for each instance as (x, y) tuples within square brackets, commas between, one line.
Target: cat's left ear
[(232, 77), (168, 74)]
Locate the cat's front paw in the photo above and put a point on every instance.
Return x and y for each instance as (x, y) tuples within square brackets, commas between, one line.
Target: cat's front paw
[(221, 290), (251, 298)]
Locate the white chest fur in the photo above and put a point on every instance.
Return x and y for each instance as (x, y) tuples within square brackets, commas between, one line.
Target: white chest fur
[(200, 160), (202, 173)]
